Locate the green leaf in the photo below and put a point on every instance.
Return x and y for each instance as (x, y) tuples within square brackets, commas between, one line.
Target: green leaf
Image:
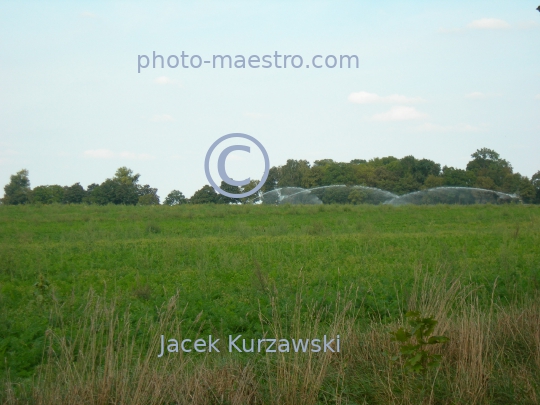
[(415, 359), (401, 335), (409, 349), (430, 324)]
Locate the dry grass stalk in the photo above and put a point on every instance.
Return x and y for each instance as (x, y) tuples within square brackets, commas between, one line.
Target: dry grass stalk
[(490, 345)]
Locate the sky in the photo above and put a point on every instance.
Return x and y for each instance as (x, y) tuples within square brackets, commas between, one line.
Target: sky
[(435, 80)]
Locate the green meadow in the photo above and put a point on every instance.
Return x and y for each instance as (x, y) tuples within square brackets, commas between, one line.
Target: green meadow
[(229, 267)]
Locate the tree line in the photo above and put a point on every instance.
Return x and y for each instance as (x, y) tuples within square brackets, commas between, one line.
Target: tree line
[(122, 189), (486, 170)]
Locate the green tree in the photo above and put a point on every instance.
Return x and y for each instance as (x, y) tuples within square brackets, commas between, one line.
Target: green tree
[(387, 177), (272, 181), (526, 190), (248, 187), (337, 173), (358, 196), (126, 176), (175, 197), (205, 195), (457, 177), (74, 194), (47, 194), (17, 191), (294, 173), (223, 199), (333, 195), (315, 176), (512, 183), (424, 168), (487, 163), (433, 181), (148, 195), (364, 175), (113, 192), (121, 189), (485, 182), (407, 184), (535, 180)]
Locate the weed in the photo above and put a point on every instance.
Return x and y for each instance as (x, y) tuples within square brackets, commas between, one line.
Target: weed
[(42, 293), (413, 343)]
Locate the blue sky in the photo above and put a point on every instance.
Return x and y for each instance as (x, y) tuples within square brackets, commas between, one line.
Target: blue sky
[(436, 80)]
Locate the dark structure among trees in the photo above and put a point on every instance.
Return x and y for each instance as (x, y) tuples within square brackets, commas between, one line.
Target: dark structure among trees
[(487, 170), (401, 176)]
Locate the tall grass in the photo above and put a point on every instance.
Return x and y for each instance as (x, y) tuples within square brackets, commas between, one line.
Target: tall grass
[(493, 356)]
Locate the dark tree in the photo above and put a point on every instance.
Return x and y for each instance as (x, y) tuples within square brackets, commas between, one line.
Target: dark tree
[(47, 194), (121, 189), (248, 187), (457, 177), (175, 197), (487, 164), (114, 192), (91, 187), (17, 191), (272, 180), (74, 194), (535, 180), (148, 195), (205, 195), (294, 173), (229, 189)]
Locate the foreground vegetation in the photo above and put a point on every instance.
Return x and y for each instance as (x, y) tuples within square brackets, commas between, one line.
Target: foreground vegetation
[(86, 290)]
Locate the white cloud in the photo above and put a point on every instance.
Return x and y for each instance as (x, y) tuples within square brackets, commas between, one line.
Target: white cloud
[(488, 24), (429, 127), (135, 156), (88, 14), (537, 97), (481, 24), (400, 113), (109, 154), (99, 153), (165, 80), (363, 97), (162, 118)]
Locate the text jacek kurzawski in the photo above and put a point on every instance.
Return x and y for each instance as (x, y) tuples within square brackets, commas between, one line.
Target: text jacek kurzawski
[(236, 344)]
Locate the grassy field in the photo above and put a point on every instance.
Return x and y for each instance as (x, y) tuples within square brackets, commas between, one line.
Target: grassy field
[(100, 283)]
